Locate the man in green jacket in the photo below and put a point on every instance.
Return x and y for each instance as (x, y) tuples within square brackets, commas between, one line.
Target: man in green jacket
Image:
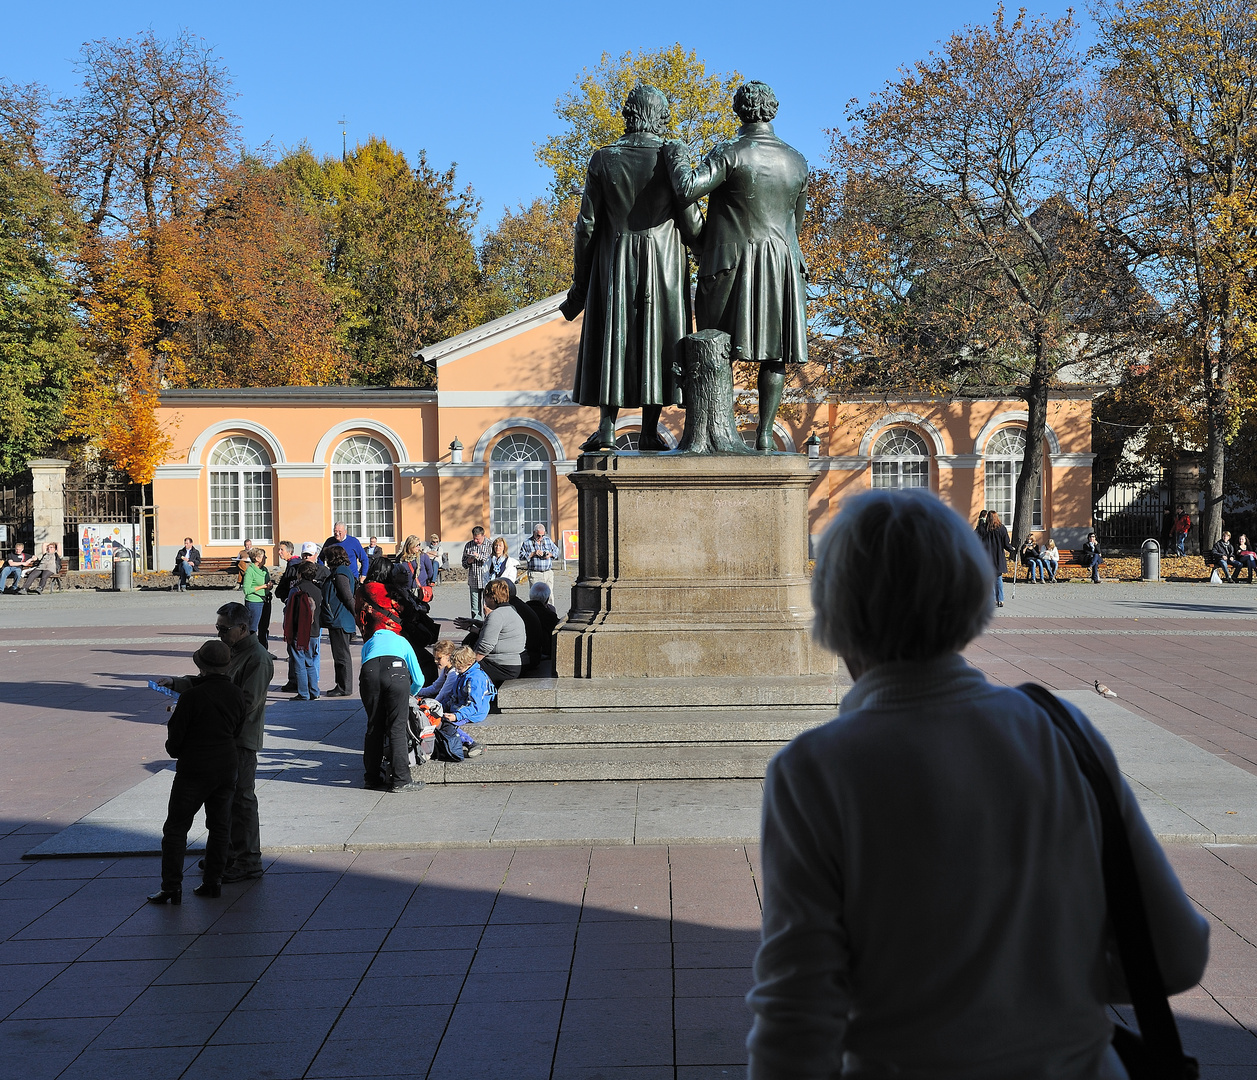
[(251, 668)]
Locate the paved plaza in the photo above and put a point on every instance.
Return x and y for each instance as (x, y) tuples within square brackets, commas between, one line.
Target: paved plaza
[(509, 930)]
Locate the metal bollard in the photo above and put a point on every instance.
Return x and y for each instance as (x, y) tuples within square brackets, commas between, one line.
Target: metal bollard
[(1150, 560), (122, 572)]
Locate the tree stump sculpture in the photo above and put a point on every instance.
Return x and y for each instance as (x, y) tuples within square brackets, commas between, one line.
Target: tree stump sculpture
[(708, 375)]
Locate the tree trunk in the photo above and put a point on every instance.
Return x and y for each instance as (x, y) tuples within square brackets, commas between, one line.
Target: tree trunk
[(1028, 480), (1215, 462), (709, 424)]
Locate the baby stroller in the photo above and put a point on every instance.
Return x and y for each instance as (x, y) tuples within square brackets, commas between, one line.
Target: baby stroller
[(421, 725)]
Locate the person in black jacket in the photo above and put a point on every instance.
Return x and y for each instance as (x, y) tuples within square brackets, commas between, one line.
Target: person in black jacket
[(1092, 558), (201, 737), (338, 618), (1224, 555), (187, 562), (995, 539)]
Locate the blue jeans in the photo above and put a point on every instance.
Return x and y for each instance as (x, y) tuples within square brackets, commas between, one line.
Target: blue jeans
[(255, 614), (1034, 570), (1182, 543), (999, 587), (477, 603), (1093, 564), (1049, 569), (307, 662), (14, 572)]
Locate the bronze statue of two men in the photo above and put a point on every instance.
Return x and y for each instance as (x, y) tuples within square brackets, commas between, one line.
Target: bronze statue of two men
[(638, 215)]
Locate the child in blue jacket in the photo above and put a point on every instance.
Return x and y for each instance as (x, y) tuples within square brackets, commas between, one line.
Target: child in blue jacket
[(468, 704)]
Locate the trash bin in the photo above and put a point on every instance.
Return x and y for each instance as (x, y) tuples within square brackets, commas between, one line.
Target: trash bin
[(1150, 560), (122, 572)]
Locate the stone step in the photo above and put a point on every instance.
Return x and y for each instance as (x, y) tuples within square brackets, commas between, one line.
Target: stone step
[(513, 765), (743, 727), (619, 695)]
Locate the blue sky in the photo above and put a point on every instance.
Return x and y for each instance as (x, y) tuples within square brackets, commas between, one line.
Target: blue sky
[(476, 83)]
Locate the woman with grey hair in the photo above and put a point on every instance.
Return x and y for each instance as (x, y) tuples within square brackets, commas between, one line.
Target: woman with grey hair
[(933, 902)]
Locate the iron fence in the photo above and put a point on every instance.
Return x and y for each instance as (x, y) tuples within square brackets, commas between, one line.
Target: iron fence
[(17, 514), (1129, 513)]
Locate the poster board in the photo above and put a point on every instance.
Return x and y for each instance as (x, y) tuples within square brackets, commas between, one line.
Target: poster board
[(99, 543), (571, 545)]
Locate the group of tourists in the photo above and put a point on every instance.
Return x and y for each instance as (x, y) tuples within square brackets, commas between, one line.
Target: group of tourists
[(1042, 561), (30, 573), (407, 677)]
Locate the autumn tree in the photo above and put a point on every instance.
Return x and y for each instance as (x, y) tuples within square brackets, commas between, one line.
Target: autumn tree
[(527, 256), (702, 112), (1181, 183), (398, 251), (39, 335), (963, 236)]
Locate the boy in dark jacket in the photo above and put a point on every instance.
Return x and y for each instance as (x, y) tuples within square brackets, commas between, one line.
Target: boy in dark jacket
[(201, 737)]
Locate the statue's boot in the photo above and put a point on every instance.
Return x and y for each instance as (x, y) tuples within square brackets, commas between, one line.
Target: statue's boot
[(649, 441), (772, 381), (604, 437)]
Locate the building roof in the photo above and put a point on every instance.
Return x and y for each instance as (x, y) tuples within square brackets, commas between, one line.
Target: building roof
[(300, 395), (458, 346)]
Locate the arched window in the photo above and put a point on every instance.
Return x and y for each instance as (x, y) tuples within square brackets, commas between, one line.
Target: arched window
[(1005, 451), (362, 487), (519, 487), (900, 460), (240, 492)]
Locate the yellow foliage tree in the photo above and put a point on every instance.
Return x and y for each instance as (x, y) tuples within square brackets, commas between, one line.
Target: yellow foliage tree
[(1180, 163), (702, 112)]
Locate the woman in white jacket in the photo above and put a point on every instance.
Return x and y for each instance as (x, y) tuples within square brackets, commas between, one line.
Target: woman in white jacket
[(933, 904)]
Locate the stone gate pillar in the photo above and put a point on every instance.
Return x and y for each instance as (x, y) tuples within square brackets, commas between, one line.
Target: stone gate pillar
[(48, 502)]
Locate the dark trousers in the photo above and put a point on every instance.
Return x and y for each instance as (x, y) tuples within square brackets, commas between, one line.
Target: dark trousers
[(245, 854), (42, 576), (191, 791), (264, 623), (384, 683), (499, 673), (291, 682), (341, 659)]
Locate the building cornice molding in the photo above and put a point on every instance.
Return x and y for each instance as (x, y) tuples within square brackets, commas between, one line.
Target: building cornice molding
[(301, 395)]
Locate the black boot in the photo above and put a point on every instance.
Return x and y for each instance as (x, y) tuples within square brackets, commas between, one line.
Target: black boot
[(166, 896), (210, 889)]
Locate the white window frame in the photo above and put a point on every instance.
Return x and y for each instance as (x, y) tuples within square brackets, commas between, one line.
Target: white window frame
[(899, 455), (363, 492), (241, 503), (519, 486), (1003, 457)]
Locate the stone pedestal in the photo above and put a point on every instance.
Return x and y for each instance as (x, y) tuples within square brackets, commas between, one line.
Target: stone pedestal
[(691, 566), (48, 502)]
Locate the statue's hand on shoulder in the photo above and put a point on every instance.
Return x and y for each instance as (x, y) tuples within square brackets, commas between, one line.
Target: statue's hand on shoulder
[(572, 306)]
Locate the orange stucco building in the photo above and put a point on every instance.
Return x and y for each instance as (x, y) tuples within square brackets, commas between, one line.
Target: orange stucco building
[(494, 443)]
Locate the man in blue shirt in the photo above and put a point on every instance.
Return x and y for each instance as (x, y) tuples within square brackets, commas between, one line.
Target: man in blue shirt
[(353, 548), (538, 552), (389, 674)]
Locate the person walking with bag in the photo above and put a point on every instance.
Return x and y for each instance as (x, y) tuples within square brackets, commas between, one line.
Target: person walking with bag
[(995, 539), (982, 948)]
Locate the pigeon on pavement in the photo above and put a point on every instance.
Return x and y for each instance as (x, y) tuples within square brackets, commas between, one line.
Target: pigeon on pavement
[(1103, 690)]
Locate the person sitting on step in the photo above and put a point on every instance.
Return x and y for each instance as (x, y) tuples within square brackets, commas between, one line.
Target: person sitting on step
[(468, 704)]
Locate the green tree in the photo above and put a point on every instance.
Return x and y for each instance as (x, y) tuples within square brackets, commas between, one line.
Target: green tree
[(527, 256), (39, 335), (702, 109), (398, 251)]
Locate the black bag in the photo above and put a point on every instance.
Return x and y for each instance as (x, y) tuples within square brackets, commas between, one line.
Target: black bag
[(1155, 1052)]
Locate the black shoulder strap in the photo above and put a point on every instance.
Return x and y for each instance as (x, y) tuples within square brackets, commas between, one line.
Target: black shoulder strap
[(1127, 913)]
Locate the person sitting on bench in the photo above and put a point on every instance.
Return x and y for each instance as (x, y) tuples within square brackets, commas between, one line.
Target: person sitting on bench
[(48, 567)]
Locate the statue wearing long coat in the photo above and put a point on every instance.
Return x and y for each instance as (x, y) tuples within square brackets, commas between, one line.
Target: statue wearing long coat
[(751, 274), (631, 277)]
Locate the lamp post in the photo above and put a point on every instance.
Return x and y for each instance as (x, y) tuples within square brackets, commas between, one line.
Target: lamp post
[(813, 447), (456, 452)]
